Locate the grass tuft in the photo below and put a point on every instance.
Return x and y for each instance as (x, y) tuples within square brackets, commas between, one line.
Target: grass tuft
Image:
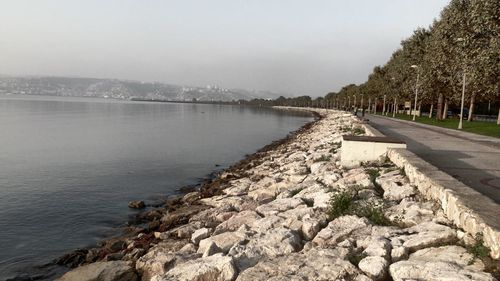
[(358, 131), (356, 258), (344, 203), (322, 158), (479, 250)]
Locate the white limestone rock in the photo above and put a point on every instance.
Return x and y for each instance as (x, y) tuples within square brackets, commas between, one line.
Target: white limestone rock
[(154, 263), (280, 205), (358, 177), (342, 228), (427, 234), (224, 201), (200, 234), (374, 266), (211, 249), (316, 264), (399, 253), (232, 224), (272, 243), (224, 241), (267, 223), (310, 227), (396, 192), (216, 267), (378, 246), (442, 263), (410, 212), (102, 271)]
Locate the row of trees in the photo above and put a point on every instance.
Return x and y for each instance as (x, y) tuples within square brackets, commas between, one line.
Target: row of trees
[(433, 62)]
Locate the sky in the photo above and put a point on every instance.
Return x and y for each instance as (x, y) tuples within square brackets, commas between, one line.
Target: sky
[(292, 47)]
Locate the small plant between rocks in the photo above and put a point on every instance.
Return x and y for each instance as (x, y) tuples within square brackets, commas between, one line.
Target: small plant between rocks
[(478, 250), (340, 204), (344, 203), (336, 146), (402, 171), (358, 131), (356, 258), (374, 174), (323, 158)]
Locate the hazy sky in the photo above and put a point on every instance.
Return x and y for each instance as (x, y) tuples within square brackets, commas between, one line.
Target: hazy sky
[(295, 47)]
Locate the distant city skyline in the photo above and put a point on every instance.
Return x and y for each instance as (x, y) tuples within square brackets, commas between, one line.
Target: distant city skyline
[(290, 47)]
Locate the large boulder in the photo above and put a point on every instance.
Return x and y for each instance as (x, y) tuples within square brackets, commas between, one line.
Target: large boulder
[(155, 262), (272, 243), (410, 212), (442, 263), (200, 234), (342, 228), (357, 177), (424, 235), (395, 186), (374, 266), (220, 201), (280, 205), (102, 271), (224, 241), (236, 221), (316, 264), (216, 267)]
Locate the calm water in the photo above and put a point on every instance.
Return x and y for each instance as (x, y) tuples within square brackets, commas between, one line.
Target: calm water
[(68, 166)]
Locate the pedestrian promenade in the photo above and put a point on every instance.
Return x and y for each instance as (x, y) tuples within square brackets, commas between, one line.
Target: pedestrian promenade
[(471, 159)]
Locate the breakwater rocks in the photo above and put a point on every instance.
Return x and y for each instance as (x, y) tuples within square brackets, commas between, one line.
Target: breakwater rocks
[(291, 212)]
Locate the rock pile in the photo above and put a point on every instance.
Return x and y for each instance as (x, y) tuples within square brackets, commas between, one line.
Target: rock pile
[(272, 220)]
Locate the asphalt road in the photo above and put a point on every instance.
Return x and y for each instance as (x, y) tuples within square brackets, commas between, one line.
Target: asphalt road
[(472, 159)]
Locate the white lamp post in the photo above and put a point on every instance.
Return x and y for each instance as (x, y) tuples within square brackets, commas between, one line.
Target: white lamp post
[(416, 91)]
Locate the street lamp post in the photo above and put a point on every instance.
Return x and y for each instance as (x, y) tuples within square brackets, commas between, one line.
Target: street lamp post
[(416, 92)]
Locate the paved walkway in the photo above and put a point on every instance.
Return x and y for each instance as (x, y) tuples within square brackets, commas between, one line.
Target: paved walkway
[(472, 159)]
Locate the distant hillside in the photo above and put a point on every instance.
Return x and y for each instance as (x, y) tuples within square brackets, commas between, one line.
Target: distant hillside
[(122, 89)]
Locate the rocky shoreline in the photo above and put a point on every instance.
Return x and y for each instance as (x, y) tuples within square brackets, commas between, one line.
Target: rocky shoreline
[(291, 212)]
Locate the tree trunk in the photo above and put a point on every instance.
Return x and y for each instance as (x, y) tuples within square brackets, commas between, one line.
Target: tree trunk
[(419, 109), (395, 107), (498, 120), (432, 108), (471, 107), (439, 111), (383, 107), (369, 104), (445, 110), (375, 106)]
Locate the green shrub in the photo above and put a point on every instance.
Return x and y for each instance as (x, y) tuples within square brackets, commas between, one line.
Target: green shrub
[(336, 146), (344, 203), (322, 158), (373, 173), (479, 250), (345, 128), (340, 204), (358, 131)]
